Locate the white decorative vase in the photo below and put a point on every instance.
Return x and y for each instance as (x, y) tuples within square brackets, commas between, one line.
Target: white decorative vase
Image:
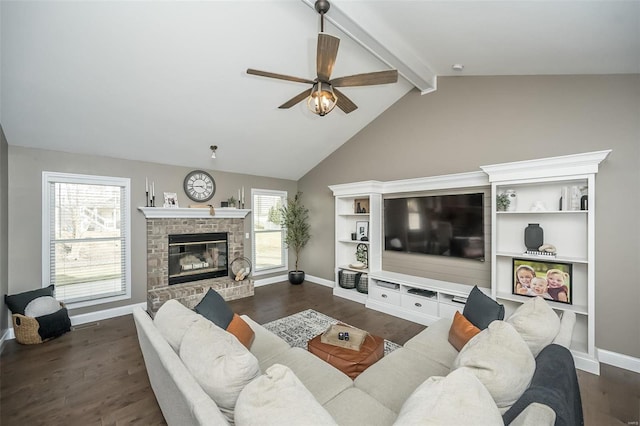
[(513, 200)]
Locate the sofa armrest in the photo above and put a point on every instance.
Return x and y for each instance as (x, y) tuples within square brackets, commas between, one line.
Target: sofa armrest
[(535, 414)]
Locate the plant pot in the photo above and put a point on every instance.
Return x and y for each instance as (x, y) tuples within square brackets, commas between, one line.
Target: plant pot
[(296, 277)]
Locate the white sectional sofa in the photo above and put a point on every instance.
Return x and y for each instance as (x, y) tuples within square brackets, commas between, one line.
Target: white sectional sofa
[(294, 386)]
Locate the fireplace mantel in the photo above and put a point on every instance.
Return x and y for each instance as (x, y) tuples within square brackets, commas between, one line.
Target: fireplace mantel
[(170, 213)]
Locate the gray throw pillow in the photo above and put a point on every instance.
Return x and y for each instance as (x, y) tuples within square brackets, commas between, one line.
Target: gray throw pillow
[(481, 310), (214, 308)]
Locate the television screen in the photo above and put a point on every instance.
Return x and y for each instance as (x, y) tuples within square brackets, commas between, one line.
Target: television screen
[(444, 225)]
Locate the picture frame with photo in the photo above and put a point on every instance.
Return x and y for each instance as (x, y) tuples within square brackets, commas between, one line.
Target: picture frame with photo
[(549, 279), (362, 231), (171, 200)]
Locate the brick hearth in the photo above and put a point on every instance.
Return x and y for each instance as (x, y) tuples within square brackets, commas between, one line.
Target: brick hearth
[(189, 294)]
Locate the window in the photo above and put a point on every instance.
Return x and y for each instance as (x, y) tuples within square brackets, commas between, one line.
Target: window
[(86, 237), (269, 252)]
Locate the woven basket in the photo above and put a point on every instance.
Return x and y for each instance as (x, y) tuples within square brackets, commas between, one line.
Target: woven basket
[(362, 285), (347, 279), (26, 329)]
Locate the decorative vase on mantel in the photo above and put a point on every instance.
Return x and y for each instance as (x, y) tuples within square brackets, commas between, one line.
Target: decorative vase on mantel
[(533, 236)]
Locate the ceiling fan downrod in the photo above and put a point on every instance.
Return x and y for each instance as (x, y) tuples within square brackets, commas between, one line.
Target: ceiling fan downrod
[(322, 7)]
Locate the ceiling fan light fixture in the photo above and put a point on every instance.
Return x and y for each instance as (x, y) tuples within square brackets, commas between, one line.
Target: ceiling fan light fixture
[(322, 99)]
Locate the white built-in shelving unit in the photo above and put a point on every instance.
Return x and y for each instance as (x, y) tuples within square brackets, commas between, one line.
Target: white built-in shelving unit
[(571, 230), (536, 182)]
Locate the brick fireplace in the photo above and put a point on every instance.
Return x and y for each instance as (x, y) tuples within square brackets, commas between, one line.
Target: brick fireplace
[(162, 222)]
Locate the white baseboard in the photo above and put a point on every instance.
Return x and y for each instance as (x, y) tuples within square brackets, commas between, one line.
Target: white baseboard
[(318, 280), (619, 360), (280, 278), (91, 317), (270, 280)]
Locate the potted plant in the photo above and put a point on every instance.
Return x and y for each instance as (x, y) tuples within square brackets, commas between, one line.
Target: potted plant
[(295, 219), (502, 202)]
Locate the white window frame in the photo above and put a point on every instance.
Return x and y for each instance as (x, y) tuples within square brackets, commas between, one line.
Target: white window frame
[(56, 177), (285, 251)]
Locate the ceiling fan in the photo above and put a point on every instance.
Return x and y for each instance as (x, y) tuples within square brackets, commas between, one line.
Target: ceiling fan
[(324, 95)]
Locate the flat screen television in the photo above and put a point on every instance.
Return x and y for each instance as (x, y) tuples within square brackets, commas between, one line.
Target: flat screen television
[(442, 225)]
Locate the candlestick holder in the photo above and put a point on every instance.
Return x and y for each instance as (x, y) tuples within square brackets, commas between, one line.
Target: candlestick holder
[(147, 198)]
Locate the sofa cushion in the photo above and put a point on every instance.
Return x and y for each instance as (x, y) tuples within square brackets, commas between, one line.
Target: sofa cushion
[(461, 331), (266, 345), (502, 361), (323, 380), (17, 302), (457, 399), (172, 320), (392, 379), (214, 308), (433, 343), (481, 310), (219, 363), (43, 305), (536, 323), (239, 328), (278, 397), (355, 407)]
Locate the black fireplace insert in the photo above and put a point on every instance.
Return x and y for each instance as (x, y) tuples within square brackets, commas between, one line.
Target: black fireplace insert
[(194, 257)]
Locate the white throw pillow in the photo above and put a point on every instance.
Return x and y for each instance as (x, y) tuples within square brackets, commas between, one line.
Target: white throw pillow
[(458, 399), (536, 323), (501, 359), (567, 322), (172, 321), (219, 363), (278, 397), (43, 305)]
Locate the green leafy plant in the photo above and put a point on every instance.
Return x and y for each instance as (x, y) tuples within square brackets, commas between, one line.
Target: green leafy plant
[(502, 202), (295, 218), (232, 201)]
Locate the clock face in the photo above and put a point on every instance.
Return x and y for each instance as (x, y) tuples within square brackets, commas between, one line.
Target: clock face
[(199, 186)]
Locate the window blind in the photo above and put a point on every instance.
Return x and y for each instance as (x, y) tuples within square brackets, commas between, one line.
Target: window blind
[(88, 232)]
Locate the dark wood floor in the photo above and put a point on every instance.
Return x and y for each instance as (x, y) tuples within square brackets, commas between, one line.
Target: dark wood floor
[(95, 375)]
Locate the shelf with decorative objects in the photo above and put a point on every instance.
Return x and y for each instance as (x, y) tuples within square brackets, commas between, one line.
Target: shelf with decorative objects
[(176, 213), (543, 240), (357, 240)]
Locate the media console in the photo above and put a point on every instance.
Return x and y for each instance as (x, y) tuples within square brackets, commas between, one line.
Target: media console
[(421, 300)]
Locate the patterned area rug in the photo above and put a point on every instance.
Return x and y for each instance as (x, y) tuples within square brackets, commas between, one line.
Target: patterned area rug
[(298, 329)]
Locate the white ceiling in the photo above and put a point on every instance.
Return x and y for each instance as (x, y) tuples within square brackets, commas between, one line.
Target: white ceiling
[(161, 81)]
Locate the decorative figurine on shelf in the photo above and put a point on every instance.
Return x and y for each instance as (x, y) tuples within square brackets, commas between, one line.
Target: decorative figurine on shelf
[(362, 254)]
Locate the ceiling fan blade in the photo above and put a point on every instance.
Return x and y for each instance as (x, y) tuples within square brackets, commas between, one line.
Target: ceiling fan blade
[(344, 103), (278, 76), (367, 79), (293, 101), (326, 55)]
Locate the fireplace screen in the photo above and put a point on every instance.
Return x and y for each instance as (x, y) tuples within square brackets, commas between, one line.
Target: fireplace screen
[(194, 257)]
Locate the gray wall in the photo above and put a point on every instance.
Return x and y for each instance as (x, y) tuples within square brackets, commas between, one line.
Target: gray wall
[(4, 229), (25, 208), (474, 121)]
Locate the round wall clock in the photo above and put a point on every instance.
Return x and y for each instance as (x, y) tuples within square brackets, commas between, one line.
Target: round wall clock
[(199, 186)]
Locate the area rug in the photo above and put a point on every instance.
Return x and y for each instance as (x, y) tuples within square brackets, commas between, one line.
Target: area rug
[(298, 329)]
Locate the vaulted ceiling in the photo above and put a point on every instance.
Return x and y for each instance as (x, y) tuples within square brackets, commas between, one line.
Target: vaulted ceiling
[(161, 81)]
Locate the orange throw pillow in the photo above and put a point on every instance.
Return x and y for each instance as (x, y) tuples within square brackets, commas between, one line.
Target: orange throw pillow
[(243, 332), (461, 331)]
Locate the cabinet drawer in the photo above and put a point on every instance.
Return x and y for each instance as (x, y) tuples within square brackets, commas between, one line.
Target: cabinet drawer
[(449, 310), (423, 305), (384, 295)]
